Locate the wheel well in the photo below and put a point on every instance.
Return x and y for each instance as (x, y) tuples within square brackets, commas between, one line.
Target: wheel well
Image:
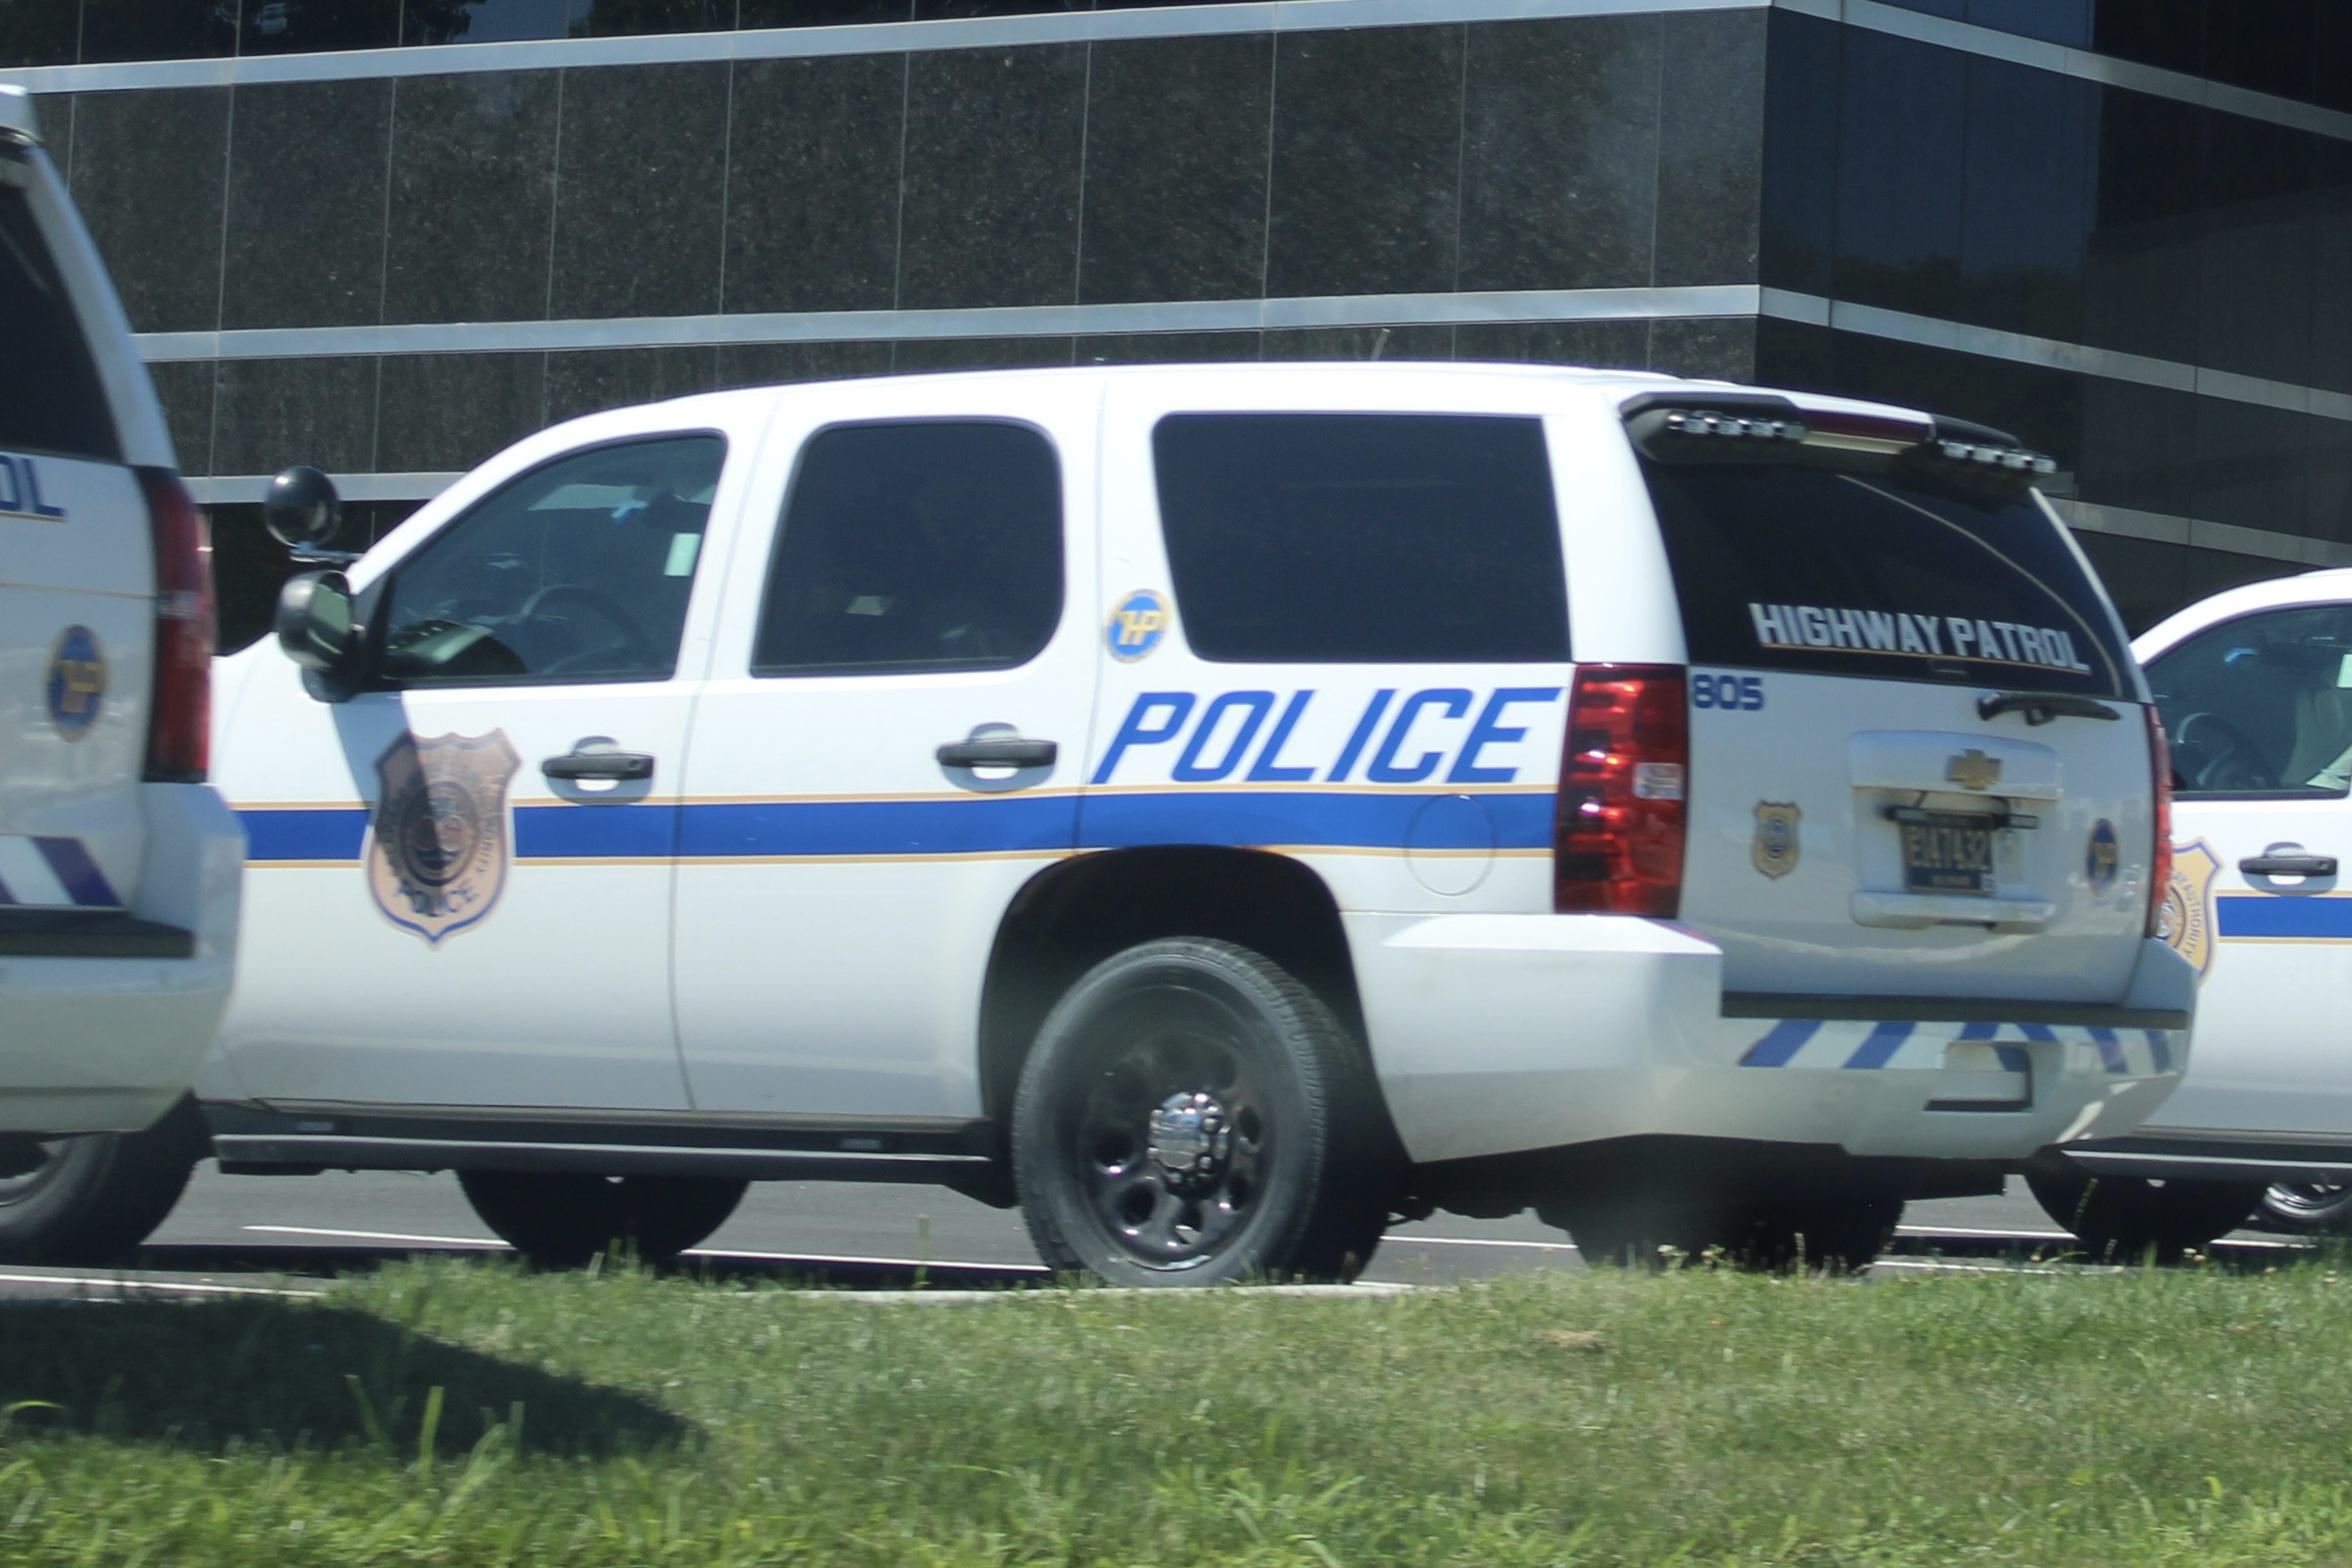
[(1084, 909)]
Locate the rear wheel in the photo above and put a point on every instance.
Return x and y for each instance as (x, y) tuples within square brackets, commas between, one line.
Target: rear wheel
[(2125, 1218), (2305, 1208), (1191, 1114), (95, 1197), (562, 1220)]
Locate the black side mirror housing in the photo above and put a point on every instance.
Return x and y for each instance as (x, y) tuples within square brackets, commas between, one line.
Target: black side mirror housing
[(317, 631), (302, 512)]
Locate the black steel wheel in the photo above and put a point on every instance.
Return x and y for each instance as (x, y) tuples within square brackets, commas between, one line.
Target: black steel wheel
[(2305, 1208), (1191, 1114), (2125, 1219), (93, 1198), (560, 1220)]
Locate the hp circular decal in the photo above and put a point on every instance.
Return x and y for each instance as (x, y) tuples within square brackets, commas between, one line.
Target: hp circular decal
[(76, 687), (2102, 857), (1137, 625)]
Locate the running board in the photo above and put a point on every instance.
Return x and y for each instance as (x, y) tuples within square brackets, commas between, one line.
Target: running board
[(261, 1153), (2209, 1167)]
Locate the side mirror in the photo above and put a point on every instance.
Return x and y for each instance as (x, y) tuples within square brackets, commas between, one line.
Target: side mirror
[(302, 511), (314, 622)]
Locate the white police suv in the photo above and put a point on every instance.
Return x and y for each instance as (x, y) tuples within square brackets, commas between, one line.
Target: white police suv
[(2256, 687), (119, 867), (1217, 807)]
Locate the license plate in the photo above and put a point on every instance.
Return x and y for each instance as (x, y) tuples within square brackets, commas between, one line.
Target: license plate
[(1948, 853)]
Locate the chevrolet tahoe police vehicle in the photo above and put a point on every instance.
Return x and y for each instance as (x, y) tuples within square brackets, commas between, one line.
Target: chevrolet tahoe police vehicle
[(119, 865), (1218, 808), (2255, 688)]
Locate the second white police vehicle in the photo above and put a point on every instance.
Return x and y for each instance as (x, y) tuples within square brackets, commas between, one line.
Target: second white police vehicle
[(2256, 687), (1219, 808)]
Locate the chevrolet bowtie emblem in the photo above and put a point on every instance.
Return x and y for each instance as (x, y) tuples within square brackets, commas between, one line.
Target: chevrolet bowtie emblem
[(1973, 770)]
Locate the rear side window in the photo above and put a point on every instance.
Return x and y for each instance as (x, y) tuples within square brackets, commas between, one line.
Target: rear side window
[(52, 400), (1893, 575), (1362, 538), (916, 545), (2261, 705)]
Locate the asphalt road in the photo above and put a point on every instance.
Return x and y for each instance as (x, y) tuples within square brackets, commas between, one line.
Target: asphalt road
[(233, 1234), (229, 1228)]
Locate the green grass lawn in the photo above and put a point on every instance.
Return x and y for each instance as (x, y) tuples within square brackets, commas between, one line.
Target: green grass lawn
[(466, 1413)]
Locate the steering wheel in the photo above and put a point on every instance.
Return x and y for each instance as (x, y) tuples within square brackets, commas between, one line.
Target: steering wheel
[(631, 640), (2223, 755)]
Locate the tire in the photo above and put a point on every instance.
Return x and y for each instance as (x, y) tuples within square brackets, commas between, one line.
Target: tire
[(2124, 1219), (2305, 1208), (94, 1198), (1193, 1115), (559, 1220), (1840, 1231)]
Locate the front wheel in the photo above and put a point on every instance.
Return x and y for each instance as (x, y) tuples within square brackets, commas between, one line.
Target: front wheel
[(2126, 1219), (562, 1220), (95, 1197), (1191, 1115)]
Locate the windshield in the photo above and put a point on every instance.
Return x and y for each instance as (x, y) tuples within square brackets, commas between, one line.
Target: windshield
[(1890, 575)]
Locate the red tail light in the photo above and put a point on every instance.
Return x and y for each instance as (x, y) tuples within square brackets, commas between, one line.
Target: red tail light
[(1617, 843), (179, 721), (2159, 760)]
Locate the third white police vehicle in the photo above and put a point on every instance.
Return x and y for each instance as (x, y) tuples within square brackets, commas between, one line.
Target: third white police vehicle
[(1218, 807), (2256, 687), (119, 865)]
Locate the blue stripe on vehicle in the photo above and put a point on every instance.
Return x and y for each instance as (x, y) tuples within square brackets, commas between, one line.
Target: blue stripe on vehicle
[(2283, 915), (1885, 1040), (78, 873), (949, 825), (2111, 1050), (2014, 1058), (310, 832), (953, 825), (628, 832), (1786, 1039), (2159, 1048), (1979, 1030), (1334, 818)]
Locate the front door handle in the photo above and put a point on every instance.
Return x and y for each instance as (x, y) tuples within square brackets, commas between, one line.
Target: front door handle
[(2288, 866), (998, 751), (626, 767)]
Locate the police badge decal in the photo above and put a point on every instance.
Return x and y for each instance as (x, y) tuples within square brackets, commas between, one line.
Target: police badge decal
[(2187, 921), (1775, 849), (436, 860)]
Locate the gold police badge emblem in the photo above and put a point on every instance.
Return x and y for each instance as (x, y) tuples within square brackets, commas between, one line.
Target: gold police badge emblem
[(2187, 921), (437, 858), (1775, 849)]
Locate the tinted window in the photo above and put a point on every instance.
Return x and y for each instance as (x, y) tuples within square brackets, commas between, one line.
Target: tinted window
[(2261, 705), (1787, 568), (932, 544), (577, 572), (52, 400), (1362, 538)]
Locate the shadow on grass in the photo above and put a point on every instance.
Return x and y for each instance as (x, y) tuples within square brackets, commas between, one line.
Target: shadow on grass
[(285, 1374)]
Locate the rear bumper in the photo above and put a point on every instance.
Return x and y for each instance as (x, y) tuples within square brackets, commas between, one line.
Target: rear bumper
[(98, 1043), (1497, 1034)]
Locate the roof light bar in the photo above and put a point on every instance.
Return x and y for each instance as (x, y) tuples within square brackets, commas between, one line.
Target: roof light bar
[(1709, 422), (2016, 459)]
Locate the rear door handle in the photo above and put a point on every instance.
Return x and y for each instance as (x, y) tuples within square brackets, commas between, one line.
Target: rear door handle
[(2288, 866), (623, 765), (998, 751)]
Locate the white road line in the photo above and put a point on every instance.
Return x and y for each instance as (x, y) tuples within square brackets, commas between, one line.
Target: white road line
[(380, 1235), (1396, 1241), (133, 1286), (1993, 1234)]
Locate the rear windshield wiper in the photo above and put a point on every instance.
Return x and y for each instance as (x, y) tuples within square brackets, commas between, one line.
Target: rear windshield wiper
[(2040, 707)]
